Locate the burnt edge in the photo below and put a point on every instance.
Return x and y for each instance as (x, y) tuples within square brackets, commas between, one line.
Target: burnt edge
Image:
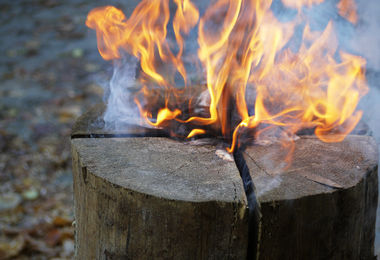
[(254, 224), (163, 134)]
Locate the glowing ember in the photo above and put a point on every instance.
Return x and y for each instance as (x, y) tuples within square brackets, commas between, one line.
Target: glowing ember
[(242, 49)]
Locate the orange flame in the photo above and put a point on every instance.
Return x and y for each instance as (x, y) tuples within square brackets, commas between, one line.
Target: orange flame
[(298, 4), (347, 9), (242, 49)]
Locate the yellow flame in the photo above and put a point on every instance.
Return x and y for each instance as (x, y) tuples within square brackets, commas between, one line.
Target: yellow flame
[(196, 132), (242, 48), (347, 9)]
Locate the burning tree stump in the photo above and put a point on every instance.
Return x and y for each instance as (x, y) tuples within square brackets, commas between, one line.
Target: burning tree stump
[(151, 198), (324, 205)]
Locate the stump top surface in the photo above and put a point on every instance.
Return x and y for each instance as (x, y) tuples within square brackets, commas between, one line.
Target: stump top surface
[(91, 123), (162, 167), (316, 167), (165, 167)]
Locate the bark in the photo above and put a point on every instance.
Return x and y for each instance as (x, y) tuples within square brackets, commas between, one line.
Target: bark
[(155, 198), (322, 206), (152, 197)]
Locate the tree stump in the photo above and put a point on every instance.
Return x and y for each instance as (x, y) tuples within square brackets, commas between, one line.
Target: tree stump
[(321, 207), (138, 196), (155, 198)]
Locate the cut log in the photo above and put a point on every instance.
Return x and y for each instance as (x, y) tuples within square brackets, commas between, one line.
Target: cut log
[(322, 206), (91, 125), (152, 198), (155, 198)]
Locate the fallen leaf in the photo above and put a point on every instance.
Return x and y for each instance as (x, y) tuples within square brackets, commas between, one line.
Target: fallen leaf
[(12, 248), (12, 112), (30, 194), (67, 114), (96, 89), (67, 233), (11, 53), (32, 44), (53, 237), (39, 246), (68, 247), (91, 67), (77, 53), (62, 221), (9, 201)]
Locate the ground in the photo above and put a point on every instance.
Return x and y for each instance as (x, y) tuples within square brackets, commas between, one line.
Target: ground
[(50, 73), (49, 67)]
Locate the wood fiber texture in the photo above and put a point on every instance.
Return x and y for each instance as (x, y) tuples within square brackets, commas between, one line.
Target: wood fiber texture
[(305, 218), (152, 197)]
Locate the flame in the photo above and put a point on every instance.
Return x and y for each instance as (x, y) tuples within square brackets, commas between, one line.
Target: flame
[(143, 35), (347, 9), (242, 49), (298, 4), (312, 88)]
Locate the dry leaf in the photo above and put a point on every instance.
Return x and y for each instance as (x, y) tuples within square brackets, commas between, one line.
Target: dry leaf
[(53, 237), (62, 221), (9, 201), (68, 247), (40, 246), (12, 248)]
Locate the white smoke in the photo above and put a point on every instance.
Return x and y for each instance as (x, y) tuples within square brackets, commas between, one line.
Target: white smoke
[(264, 187), (366, 42), (361, 39), (120, 105)]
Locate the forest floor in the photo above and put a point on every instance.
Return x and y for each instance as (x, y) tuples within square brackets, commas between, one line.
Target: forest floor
[(49, 63)]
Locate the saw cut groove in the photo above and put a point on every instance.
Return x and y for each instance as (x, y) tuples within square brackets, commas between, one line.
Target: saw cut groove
[(154, 197), (254, 228)]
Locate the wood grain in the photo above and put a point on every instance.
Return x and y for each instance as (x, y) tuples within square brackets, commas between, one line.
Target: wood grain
[(303, 215), (152, 197)]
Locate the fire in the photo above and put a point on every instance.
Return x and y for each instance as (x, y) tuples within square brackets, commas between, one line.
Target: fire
[(347, 9), (298, 4), (242, 49)]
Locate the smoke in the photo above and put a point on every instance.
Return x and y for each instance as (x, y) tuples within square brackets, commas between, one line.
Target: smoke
[(361, 39), (265, 187), (367, 37), (370, 105), (117, 94), (366, 42)]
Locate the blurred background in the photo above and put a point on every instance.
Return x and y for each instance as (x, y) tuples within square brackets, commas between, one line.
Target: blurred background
[(51, 73), (49, 61)]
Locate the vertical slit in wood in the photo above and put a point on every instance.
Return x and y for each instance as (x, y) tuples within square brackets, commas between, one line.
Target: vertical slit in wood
[(254, 226)]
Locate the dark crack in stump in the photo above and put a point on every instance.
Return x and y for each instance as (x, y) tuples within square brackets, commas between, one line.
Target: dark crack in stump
[(152, 197)]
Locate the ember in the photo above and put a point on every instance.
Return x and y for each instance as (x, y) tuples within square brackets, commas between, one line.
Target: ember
[(243, 48)]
